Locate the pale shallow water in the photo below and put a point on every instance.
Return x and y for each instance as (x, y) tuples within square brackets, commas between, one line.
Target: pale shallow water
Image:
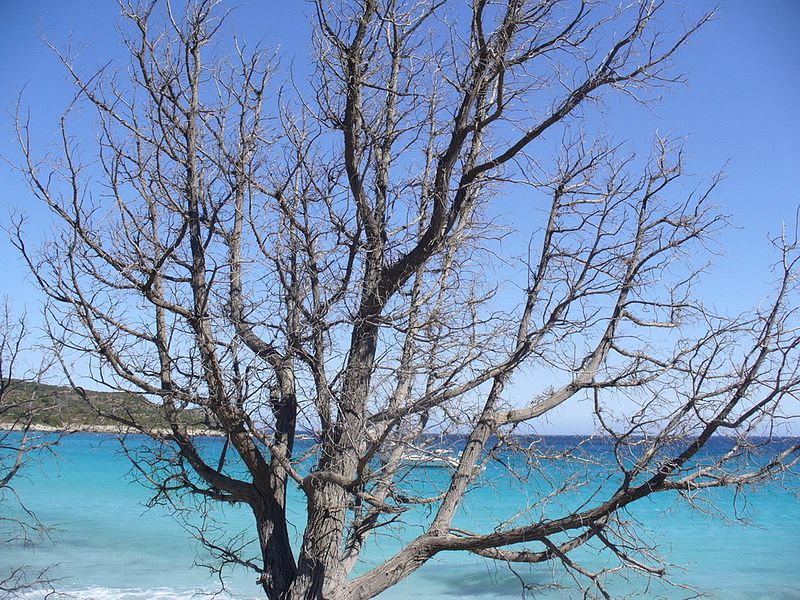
[(108, 545)]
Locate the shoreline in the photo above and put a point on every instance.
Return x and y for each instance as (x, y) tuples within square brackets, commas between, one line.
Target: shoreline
[(116, 429)]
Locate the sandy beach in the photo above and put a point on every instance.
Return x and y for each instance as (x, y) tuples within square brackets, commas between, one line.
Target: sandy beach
[(117, 429)]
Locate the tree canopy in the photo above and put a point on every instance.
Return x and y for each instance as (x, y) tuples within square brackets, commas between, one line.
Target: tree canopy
[(327, 258)]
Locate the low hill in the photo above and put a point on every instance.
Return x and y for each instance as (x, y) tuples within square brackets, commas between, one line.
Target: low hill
[(61, 407)]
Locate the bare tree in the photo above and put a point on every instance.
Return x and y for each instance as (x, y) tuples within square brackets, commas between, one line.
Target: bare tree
[(333, 262), (20, 405)]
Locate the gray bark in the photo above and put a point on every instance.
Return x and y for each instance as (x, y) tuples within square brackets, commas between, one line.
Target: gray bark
[(331, 265)]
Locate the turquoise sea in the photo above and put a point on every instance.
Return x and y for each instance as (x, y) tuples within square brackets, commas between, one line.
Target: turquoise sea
[(106, 543)]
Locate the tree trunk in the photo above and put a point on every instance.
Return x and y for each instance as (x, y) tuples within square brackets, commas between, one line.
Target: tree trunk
[(276, 551), (320, 573)]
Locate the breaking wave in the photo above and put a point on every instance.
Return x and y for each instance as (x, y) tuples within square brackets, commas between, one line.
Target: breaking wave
[(105, 593)]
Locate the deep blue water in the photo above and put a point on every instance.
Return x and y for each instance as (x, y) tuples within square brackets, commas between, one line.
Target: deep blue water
[(108, 544)]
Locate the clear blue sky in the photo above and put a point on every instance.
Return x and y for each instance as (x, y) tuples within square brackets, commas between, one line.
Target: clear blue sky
[(741, 105)]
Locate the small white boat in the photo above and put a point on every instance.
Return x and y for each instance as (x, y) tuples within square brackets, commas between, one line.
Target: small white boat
[(439, 459)]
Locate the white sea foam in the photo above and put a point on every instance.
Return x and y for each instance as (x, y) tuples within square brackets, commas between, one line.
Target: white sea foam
[(105, 593)]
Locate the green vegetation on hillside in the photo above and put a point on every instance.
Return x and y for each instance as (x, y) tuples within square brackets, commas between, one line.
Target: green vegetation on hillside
[(60, 406)]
